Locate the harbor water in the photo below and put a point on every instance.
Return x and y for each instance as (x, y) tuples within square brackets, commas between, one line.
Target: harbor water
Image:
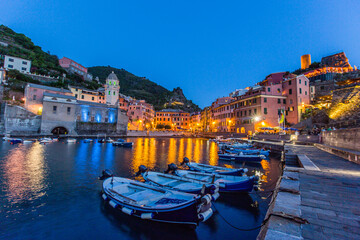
[(52, 192)]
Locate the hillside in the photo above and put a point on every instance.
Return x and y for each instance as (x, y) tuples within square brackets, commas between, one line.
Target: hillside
[(44, 63), (142, 88)]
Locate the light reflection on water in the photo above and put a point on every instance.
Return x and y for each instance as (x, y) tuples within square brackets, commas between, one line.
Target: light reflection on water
[(56, 185)]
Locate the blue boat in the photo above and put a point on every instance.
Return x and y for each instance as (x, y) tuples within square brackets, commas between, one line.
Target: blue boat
[(241, 157), (198, 167), (177, 183), (248, 151), (152, 203), (121, 143), (88, 140), (226, 183), (15, 140)]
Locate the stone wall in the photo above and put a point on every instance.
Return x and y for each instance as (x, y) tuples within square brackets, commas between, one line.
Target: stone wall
[(345, 138), (18, 120), (93, 128)]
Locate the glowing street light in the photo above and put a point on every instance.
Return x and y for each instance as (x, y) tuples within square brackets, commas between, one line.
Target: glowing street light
[(256, 119)]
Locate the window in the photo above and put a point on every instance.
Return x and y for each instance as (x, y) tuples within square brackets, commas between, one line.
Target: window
[(34, 97), (322, 87), (299, 81), (10, 66), (92, 98), (290, 91), (291, 101), (284, 101), (305, 92), (305, 83), (114, 93), (68, 110), (268, 89), (24, 62), (54, 109), (278, 90), (279, 101), (76, 95), (290, 82), (109, 82), (254, 101), (250, 112), (23, 69), (82, 96), (265, 100), (109, 92), (11, 60), (300, 90), (265, 110), (255, 110)]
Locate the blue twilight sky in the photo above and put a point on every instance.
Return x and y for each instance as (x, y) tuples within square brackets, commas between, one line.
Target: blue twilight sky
[(208, 48)]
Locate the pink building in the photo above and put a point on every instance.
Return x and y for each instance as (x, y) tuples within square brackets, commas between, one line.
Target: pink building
[(34, 96), (141, 115), (222, 113), (74, 67)]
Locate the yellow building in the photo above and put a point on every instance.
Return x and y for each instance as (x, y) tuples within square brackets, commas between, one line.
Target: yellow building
[(84, 94)]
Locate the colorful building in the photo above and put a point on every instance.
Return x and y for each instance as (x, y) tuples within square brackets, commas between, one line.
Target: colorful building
[(84, 94), (141, 115), (174, 118), (112, 88), (15, 63), (73, 67), (195, 122)]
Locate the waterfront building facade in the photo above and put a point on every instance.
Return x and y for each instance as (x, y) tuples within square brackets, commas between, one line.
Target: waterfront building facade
[(195, 121), (175, 118), (34, 93), (141, 115), (15, 63)]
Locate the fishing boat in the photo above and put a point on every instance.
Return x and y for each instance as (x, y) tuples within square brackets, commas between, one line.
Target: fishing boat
[(27, 141), (241, 157), (102, 140), (15, 140), (149, 202), (109, 140), (226, 183), (71, 140), (248, 151), (88, 140), (121, 143), (178, 183), (199, 167)]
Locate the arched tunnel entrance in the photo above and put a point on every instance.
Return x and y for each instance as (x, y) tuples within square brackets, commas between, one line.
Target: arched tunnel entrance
[(59, 131)]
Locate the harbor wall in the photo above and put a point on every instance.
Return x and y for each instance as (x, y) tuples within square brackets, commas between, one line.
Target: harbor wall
[(344, 138), (18, 120)]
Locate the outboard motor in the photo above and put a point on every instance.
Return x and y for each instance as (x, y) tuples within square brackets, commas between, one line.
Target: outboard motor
[(185, 160), (142, 169), (171, 168), (106, 174)]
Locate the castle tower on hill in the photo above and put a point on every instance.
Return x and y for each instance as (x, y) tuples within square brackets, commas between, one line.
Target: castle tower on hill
[(305, 61), (112, 88)]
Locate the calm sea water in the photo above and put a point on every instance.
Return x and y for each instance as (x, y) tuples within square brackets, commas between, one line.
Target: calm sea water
[(52, 192)]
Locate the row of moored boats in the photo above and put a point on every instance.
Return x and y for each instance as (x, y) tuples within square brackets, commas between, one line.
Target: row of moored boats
[(181, 196)]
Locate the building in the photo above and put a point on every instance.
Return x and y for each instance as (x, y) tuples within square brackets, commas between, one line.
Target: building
[(305, 61), (73, 67), (64, 114), (2, 75), (112, 88), (174, 118), (141, 115), (15, 63), (195, 121), (206, 121), (84, 94), (335, 60), (34, 93)]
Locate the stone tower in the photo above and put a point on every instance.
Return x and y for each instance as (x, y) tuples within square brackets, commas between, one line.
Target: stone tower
[(112, 88)]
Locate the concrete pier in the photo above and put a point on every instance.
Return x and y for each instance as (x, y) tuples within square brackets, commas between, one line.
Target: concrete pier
[(318, 200)]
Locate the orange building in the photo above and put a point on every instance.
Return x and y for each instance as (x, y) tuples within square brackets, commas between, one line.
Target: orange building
[(175, 118)]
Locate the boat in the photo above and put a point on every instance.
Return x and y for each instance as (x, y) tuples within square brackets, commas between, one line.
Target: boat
[(88, 140), (241, 157), (248, 151), (178, 183), (71, 140), (26, 141), (109, 140), (199, 167), (226, 183), (121, 142), (102, 140), (15, 140), (149, 202)]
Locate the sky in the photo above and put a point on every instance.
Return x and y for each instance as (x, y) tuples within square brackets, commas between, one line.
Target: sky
[(208, 48)]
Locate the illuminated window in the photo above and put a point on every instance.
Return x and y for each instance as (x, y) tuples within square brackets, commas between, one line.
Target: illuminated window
[(109, 93)]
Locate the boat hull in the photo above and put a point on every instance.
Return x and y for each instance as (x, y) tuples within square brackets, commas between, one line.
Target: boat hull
[(240, 158)]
